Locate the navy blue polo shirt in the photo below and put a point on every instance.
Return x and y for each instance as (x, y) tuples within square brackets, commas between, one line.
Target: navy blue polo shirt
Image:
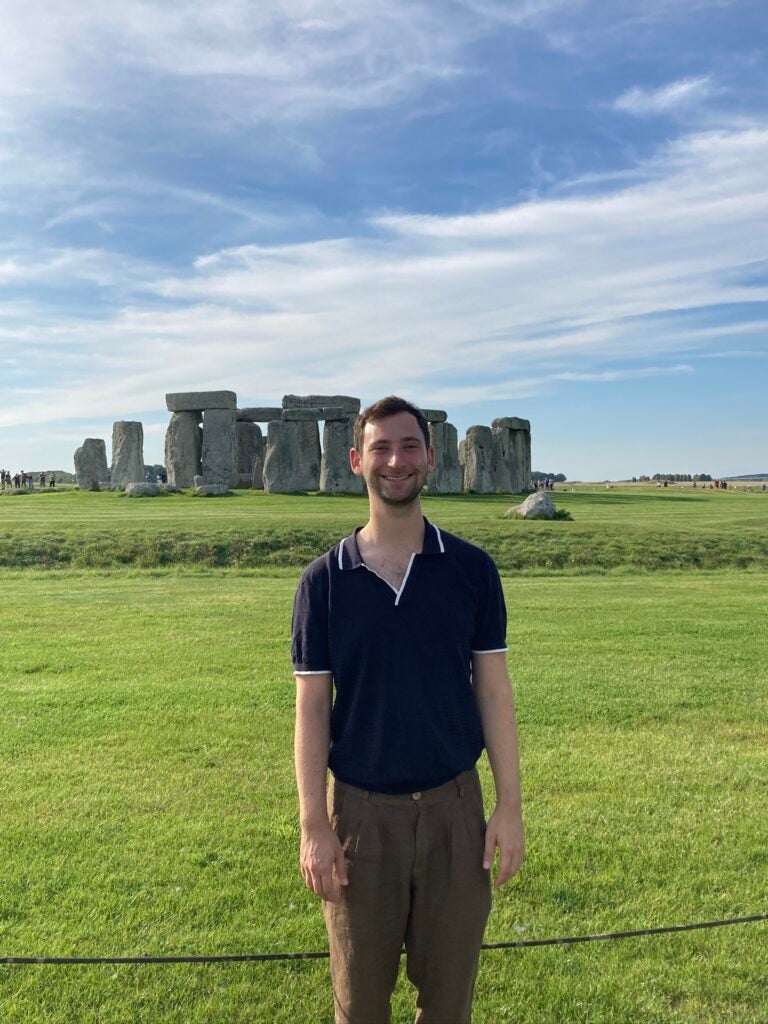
[(404, 715)]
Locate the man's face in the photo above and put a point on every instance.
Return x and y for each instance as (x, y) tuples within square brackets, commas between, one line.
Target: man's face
[(394, 461)]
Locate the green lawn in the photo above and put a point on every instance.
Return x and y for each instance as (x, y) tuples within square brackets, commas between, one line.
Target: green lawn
[(630, 530), (148, 805)]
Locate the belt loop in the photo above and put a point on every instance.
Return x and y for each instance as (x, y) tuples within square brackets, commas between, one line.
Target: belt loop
[(366, 794), (459, 785)]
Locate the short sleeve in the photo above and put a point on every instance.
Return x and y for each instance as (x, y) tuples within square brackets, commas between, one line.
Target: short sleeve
[(491, 615), (309, 632)]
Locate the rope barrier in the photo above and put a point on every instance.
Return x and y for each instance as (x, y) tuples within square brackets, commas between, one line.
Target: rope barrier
[(323, 955)]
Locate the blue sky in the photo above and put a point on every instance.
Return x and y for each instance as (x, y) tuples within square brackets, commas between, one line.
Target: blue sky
[(555, 209)]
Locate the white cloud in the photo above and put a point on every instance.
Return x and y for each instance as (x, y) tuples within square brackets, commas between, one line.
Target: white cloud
[(666, 99), (500, 304), (251, 61)]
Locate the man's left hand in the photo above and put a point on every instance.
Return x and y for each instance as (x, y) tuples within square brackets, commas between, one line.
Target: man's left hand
[(505, 830)]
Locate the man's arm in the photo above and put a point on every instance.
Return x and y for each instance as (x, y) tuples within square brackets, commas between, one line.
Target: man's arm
[(496, 705), (321, 851)]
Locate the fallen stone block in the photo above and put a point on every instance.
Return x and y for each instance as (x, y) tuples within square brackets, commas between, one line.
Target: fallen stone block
[(535, 506), (142, 490), (212, 491)]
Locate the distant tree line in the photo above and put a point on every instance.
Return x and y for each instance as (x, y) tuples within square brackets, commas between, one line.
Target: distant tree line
[(559, 478), (679, 478)]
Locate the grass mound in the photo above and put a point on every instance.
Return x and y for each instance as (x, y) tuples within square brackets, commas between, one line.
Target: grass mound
[(598, 532)]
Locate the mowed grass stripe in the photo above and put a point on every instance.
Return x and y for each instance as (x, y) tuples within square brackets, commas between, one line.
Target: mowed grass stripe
[(148, 803), (614, 530)]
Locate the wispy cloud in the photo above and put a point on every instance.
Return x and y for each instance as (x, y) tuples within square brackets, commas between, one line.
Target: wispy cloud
[(665, 99), (585, 289), (265, 60)]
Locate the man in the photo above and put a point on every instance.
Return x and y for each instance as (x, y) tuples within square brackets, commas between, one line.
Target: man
[(408, 624)]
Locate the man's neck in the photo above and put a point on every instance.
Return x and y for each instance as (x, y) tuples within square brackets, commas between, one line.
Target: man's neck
[(395, 527)]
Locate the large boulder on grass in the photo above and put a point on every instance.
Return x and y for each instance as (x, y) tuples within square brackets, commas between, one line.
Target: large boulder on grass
[(142, 490), (535, 506), (212, 491)]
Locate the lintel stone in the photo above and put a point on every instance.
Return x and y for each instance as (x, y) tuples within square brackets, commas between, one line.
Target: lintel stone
[(435, 415), (302, 415), (511, 423), (259, 414), (196, 401), (346, 402)]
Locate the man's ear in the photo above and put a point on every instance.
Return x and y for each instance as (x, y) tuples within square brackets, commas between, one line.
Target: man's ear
[(431, 457), (355, 462)]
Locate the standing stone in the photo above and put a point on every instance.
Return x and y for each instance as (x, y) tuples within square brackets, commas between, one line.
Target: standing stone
[(336, 476), (478, 453), (257, 477), (463, 461), (308, 468), (445, 478), (127, 453), (434, 415), (515, 439), (183, 449), (502, 460), (249, 446), (521, 472), (282, 458), (219, 455), (91, 464)]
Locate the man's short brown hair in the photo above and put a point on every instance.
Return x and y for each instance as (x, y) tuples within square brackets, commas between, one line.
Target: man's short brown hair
[(381, 410)]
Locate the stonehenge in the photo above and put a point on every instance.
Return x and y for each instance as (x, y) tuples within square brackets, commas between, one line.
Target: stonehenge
[(291, 459), (211, 443)]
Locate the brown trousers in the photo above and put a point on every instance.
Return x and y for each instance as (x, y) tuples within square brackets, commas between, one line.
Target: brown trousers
[(416, 878)]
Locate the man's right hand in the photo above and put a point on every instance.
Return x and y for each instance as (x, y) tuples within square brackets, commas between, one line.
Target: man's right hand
[(323, 864)]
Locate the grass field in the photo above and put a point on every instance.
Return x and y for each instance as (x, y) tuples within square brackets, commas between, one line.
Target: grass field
[(634, 530), (146, 788)]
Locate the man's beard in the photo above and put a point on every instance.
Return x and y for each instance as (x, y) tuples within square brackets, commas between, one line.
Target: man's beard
[(406, 498)]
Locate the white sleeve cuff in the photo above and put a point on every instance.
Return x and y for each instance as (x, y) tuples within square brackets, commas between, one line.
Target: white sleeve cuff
[(313, 672), (494, 650)]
